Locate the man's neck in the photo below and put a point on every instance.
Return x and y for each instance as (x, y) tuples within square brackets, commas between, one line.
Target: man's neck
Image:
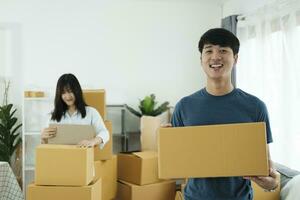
[(219, 88)]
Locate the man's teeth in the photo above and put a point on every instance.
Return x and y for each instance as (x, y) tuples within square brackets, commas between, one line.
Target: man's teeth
[(216, 66)]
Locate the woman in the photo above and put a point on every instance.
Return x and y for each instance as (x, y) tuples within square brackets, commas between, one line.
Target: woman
[(70, 108)]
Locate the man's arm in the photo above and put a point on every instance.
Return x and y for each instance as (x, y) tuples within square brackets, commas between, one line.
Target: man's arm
[(270, 182)]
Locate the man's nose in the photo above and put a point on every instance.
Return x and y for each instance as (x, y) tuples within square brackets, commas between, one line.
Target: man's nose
[(216, 55)]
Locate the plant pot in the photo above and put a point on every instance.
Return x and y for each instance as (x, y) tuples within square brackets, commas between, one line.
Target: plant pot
[(149, 127)]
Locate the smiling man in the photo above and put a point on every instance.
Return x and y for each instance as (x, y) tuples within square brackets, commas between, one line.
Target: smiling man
[(220, 103)]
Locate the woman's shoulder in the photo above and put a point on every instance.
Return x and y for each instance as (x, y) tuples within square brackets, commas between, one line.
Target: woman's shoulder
[(90, 109)]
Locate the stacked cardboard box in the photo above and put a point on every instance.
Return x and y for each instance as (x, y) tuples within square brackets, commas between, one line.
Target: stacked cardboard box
[(68, 172), (138, 178), (64, 172), (105, 161)]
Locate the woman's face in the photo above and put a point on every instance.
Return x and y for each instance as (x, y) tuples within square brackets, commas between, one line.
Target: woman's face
[(68, 97)]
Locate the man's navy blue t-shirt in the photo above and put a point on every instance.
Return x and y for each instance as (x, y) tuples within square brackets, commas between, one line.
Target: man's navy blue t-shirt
[(202, 108)]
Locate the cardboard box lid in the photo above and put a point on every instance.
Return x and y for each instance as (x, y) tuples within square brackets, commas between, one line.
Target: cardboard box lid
[(145, 154), (213, 151), (71, 133), (138, 168)]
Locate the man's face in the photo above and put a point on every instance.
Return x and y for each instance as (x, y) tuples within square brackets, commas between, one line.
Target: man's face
[(217, 61)]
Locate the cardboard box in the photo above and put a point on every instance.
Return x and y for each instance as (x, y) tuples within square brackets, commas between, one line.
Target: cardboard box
[(90, 192), (107, 171), (33, 94), (213, 151), (66, 165), (107, 152), (260, 194), (71, 133), (139, 168), (96, 99), (158, 191), (179, 196)]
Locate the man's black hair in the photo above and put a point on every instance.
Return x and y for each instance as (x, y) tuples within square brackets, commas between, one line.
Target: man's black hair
[(219, 36)]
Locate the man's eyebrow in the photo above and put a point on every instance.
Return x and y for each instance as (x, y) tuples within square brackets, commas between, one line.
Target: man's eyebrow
[(208, 46)]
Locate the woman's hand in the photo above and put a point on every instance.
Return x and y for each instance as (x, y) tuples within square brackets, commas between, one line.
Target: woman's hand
[(90, 143), (48, 133)]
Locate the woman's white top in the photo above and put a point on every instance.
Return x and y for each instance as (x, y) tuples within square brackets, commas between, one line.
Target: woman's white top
[(92, 118)]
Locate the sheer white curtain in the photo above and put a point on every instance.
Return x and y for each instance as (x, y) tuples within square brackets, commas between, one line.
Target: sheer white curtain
[(269, 67)]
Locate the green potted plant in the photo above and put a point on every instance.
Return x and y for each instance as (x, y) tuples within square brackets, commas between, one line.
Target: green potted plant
[(10, 136), (151, 117), (148, 107)]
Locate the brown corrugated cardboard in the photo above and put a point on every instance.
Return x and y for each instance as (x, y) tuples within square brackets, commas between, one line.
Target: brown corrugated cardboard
[(139, 168), (260, 194), (107, 171), (158, 191), (33, 94), (66, 165), (90, 192), (179, 196), (71, 133), (106, 153), (213, 151), (149, 127), (96, 99)]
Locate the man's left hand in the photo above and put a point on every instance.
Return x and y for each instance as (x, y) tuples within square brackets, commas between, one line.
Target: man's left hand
[(270, 182)]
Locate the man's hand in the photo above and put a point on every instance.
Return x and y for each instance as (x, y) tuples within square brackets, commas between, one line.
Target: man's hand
[(270, 182), (166, 125)]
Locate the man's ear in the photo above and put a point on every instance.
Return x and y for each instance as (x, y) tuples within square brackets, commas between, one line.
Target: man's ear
[(236, 56)]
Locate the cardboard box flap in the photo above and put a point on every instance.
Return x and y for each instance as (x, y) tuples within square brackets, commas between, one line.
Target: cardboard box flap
[(145, 154), (71, 133)]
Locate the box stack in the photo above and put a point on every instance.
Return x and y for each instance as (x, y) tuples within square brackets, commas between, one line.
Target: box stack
[(138, 178), (69, 172), (105, 161), (64, 172)]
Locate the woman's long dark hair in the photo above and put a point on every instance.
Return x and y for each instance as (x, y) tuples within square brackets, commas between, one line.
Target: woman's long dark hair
[(67, 82)]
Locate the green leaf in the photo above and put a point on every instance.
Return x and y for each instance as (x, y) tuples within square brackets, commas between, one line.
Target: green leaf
[(133, 111), (148, 105)]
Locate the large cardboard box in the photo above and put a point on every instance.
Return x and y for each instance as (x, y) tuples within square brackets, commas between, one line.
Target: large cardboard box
[(67, 165), (139, 168), (158, 191), (96, 98), (213, 151), (90, 192), (107, 171), (107, 152), (260, 194)]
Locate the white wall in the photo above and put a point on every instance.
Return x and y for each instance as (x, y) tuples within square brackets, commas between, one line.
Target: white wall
[(237, 7), (129, 47)]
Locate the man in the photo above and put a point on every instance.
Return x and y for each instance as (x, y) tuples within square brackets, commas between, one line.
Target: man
[(220, 103)]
